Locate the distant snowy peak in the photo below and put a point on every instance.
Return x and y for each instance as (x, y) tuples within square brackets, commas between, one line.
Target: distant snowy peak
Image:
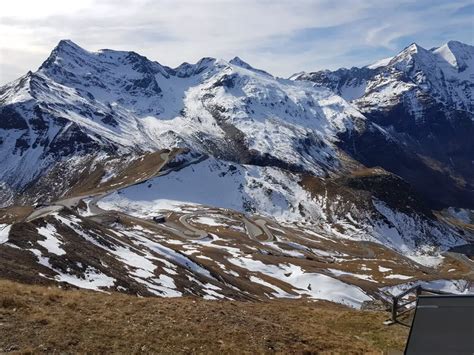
[(456, 54), (69, 55), (105, 73), (240, 63), (186, 69), (445, 73)]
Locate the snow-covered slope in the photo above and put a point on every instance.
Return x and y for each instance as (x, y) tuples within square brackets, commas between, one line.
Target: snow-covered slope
[(121, 102), (356, 207)]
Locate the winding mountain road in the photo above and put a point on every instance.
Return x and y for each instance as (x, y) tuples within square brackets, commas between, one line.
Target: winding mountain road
[(255, 229)]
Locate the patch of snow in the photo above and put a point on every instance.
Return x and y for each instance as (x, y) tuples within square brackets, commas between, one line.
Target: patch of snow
[(203, 257), (337, 272), (52, 243), (279, 293), (4, 232), (314, 285), (350, 93), (380, 63), (398, 277), (93, 279), (427, 260), (208, 221)]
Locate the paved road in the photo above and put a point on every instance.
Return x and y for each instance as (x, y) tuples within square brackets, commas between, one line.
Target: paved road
[(263, 225), (252, 230), (197, 233), (43, 211)]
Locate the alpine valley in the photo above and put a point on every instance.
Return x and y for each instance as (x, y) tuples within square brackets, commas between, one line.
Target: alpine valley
[(219, 180)]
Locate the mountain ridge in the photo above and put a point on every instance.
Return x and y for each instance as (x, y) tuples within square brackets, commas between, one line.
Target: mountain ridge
[(421, 99), (123, 98)]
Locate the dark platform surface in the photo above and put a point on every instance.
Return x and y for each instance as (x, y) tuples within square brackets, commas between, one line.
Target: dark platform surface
[(442, 325)]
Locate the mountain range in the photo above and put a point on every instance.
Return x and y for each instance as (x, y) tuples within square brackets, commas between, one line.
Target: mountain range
[(332, 184)]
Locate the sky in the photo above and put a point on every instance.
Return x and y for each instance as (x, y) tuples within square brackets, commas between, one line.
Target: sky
[(280, 36)]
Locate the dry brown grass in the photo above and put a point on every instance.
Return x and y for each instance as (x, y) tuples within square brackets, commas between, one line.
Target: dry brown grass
[(138, 169), (40, 319), (369, 172), (13, 214)]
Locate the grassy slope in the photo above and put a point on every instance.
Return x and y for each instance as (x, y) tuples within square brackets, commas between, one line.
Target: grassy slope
[(34, 318)]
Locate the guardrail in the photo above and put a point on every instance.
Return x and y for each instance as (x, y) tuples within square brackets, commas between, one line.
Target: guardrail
[(402, 307)]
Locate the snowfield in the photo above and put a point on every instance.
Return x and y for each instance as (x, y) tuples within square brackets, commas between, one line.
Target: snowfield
[(4, 231), (243, 188)]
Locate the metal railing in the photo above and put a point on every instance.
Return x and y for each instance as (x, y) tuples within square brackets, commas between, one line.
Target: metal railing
[(401, 308)]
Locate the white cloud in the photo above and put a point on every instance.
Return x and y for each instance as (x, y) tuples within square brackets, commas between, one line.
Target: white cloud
[(268, 34)]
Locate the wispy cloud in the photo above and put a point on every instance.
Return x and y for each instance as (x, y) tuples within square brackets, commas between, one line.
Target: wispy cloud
[(279, 36)]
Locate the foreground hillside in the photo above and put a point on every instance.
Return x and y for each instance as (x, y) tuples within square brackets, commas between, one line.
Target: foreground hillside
[(34, 318)]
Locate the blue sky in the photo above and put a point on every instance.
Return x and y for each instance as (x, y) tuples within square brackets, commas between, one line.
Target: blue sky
[(280, 36)]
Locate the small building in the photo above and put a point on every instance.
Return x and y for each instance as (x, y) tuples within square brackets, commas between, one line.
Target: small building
[(159, 218)]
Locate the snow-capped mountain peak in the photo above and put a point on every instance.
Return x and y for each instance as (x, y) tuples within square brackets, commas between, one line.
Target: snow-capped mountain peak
[(423, 100), (187, 69), (456, 54), (65, 47), (124, 101), (240, 63)]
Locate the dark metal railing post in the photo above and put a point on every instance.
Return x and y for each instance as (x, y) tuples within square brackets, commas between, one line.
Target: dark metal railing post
[(394, 308), (419, 289)]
